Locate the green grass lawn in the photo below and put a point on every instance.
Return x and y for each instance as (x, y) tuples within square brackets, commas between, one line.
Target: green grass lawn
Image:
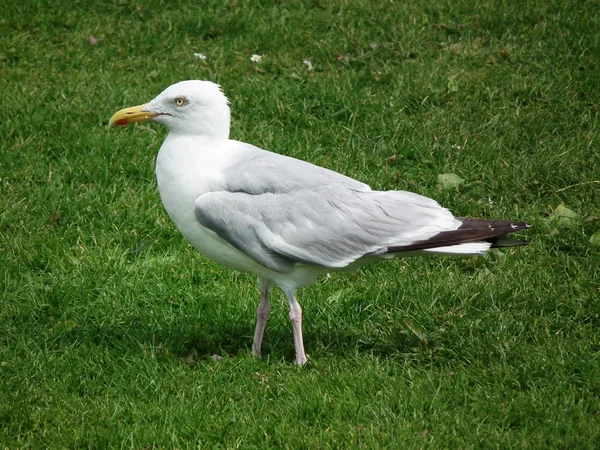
[(112, 327)]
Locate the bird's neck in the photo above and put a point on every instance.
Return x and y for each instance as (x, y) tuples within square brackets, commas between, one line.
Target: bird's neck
[(215, 129), (208, 132), (191, 159)]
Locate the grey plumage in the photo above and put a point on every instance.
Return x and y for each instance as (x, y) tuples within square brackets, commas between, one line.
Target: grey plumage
[(295, 212)]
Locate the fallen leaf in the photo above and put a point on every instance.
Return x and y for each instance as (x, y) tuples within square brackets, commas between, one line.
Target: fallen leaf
[(449, 181), (216, 357), (452, 84), (595, 239), (563, 215), (495, 254), (63, 327), (93, 40)]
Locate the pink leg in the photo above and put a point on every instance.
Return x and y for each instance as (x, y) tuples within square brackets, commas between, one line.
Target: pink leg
[(296, 318), (262, 315)]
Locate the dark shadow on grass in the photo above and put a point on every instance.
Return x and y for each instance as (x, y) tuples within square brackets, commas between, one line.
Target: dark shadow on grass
[(189, 340), (193, 340), (396, 344)]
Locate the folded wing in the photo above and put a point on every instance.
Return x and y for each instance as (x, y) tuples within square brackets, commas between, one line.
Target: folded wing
[(282, 211), (329, 226)]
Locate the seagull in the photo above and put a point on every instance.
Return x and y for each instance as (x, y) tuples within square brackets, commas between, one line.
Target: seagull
[(283, 219)]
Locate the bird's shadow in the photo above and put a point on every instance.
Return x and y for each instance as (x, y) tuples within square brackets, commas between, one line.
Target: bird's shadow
[(188, 340), (193, 341)]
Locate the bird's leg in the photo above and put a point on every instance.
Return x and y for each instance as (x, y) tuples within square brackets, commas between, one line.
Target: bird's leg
[(262, 315), (296, 318)]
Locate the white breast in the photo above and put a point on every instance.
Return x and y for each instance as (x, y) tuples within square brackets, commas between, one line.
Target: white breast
[(184, 172)]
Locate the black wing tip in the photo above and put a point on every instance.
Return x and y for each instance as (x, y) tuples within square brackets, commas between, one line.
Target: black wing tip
[(471, 230), (522, 225), (515, 225)]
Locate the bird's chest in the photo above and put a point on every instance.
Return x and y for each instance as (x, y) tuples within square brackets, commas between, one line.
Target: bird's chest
[(181, 179)]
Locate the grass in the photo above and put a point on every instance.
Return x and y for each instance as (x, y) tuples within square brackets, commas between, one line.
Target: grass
[(109, 320)]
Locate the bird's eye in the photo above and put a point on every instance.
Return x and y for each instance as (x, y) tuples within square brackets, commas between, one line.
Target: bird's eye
[(180, 101)]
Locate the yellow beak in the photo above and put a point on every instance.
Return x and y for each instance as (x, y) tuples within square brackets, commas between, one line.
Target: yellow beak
[(130, 115)]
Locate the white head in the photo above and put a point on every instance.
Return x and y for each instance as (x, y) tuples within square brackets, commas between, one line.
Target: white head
[(190, 107)]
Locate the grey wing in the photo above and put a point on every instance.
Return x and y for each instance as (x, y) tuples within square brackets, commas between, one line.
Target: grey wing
[(258, 171), (330, 226)]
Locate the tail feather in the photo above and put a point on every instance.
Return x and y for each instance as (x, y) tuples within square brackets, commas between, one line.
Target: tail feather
[(471, 230)]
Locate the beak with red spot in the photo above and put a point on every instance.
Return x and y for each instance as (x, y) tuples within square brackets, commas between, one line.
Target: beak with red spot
[(130, 115)]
